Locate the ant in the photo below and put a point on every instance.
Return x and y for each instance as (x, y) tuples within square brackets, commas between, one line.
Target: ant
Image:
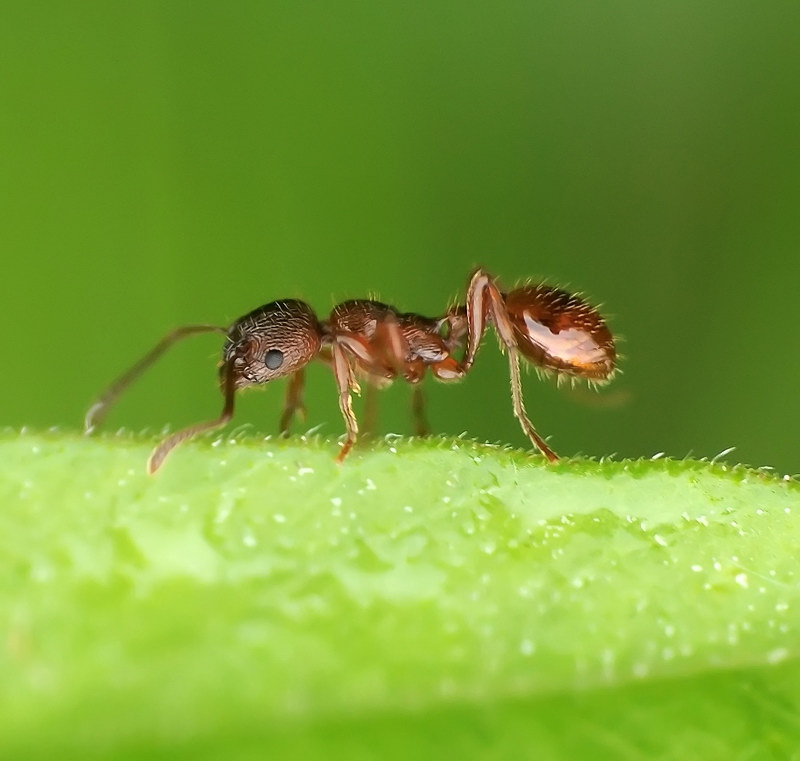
[(555, 330)]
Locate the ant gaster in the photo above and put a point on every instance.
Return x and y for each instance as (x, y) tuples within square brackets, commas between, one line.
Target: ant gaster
[(556, 331)]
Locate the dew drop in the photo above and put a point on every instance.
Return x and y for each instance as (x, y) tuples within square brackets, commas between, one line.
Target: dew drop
[(777, 655)]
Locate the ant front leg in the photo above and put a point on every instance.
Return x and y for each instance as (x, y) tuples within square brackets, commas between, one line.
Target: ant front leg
[(485, 300), (345, 384), (293, 403)]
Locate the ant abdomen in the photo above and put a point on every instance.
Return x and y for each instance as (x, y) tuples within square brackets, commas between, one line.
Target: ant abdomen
[(560, 332)]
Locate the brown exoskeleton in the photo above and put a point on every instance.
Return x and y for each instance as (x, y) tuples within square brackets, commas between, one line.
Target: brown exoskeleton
[(555, 330)]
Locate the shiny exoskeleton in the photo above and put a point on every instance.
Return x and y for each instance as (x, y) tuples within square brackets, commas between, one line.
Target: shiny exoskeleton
[(362, 339)]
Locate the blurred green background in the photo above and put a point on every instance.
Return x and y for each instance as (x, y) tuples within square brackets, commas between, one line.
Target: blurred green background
[(165, 163)]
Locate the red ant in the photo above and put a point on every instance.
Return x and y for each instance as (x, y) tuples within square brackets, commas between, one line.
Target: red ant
[(555, 330)]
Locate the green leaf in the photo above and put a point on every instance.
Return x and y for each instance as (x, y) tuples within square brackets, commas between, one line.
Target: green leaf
[(427, 599)]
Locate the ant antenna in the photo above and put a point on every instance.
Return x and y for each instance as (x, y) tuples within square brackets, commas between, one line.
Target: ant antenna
[(99, 409), (165, 447)]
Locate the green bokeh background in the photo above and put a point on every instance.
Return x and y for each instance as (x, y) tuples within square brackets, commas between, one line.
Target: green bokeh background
[(177, 162)]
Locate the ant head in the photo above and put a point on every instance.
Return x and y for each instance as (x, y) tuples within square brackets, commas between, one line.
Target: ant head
[(271, 342)]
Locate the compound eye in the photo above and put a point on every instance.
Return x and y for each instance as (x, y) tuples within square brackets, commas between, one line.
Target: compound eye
[(273, 359)]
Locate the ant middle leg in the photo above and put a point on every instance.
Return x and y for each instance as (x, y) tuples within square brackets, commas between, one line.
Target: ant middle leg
[(421, 427), (369, 419)]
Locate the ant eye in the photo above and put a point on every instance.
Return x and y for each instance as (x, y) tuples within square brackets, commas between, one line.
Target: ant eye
[(273, 359)]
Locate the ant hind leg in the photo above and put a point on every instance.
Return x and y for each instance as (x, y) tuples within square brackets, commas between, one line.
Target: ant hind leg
[(519, 407), (485, 299)]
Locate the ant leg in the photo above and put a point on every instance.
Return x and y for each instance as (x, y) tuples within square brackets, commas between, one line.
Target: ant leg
[(505, 331), (167, 445), (519, 407), (483, 299), (97, 412), (395, 348), (370, 418), (391, 344), (418, 411), (345, 383), (293, 403), (378, 361), (476, 308)]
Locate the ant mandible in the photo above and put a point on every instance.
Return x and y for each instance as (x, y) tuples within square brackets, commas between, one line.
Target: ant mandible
[(555, 330)]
